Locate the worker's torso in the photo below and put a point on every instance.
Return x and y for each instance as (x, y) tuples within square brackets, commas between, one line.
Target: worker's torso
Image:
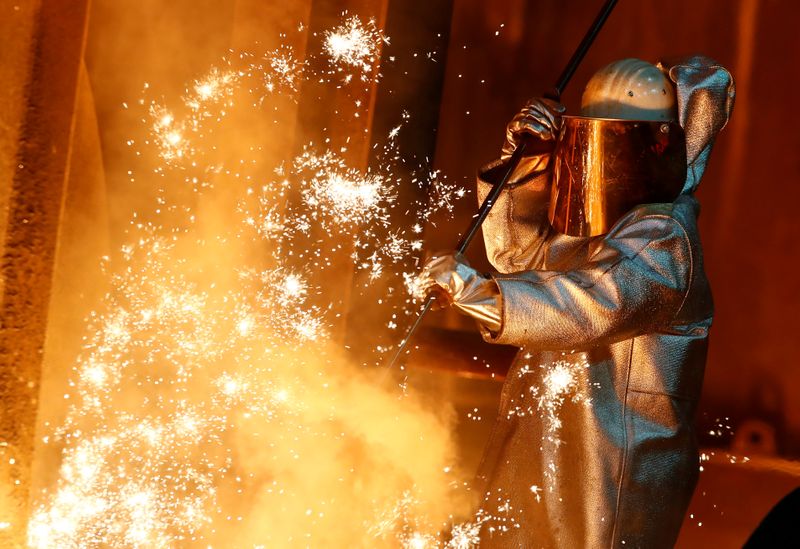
[(595, 447)]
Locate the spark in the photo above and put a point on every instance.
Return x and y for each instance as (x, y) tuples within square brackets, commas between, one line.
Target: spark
[(286, 72), (184, 365), (558, 382), (174, 138), (293, 287), (168, 134), (415, 285), (245, 325), (465, 535), (205, 90), (307, 327), (349, 197), (355, 44), (231, 386), (217, 85), (418, 540)]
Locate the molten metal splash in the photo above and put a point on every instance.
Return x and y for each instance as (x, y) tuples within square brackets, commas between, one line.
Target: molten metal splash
[(208, 406)]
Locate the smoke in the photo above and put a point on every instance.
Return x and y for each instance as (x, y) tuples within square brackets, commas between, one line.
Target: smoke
[(210, 404), (365, 467)]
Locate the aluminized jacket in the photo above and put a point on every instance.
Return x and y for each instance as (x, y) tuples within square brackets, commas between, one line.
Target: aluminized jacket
[(594, 444)]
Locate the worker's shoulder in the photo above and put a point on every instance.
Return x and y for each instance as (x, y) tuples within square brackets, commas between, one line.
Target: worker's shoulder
[(673, 223), (663, 217)]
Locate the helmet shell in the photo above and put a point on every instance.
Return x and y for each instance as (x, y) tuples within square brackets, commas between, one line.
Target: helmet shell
[(629, 89)]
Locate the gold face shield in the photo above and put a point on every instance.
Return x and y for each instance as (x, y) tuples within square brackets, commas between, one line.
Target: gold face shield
[(604, 167)]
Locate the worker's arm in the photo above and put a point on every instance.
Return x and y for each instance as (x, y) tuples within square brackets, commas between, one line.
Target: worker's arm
[(516, 229), (635, 281)]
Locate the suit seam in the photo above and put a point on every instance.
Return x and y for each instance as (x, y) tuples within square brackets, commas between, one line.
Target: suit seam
[(623, 467)]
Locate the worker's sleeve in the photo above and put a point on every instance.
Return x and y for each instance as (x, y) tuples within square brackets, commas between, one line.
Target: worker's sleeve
[(516, 229), (635, 281)]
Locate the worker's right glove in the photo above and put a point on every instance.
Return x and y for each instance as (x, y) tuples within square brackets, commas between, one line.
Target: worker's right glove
[(451, 279), (540, 118)]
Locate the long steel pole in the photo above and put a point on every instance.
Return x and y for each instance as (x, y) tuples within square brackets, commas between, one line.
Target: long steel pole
[(513, 162)]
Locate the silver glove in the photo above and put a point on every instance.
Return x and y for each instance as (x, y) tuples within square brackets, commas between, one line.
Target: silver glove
[(454, 282), (539, 117)]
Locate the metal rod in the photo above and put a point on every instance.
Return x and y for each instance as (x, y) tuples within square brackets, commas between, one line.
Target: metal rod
[(513, 162), (465, 241), (491, 198), (583, 47), (404, 343)]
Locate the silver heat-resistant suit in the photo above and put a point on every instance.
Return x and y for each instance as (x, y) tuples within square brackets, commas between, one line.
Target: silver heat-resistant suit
[(628, 314)]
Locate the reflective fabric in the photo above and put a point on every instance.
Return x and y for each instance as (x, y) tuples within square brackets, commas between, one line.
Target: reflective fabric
[(540, 118), (463, 287), (706, 94), (594, 443)]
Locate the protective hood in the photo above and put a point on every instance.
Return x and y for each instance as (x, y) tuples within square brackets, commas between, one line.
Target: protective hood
[(705, 92)]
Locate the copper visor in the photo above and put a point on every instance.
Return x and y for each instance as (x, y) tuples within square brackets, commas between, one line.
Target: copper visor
[(603, 168)]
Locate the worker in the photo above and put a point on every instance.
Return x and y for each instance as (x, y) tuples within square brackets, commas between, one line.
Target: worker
[(600, 283)]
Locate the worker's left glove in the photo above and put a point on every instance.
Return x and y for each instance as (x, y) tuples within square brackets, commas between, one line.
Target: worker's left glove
[(452, 281), (540, 119)]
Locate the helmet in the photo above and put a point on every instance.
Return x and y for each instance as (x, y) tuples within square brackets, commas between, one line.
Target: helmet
[(629, 89), (626, 149)]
